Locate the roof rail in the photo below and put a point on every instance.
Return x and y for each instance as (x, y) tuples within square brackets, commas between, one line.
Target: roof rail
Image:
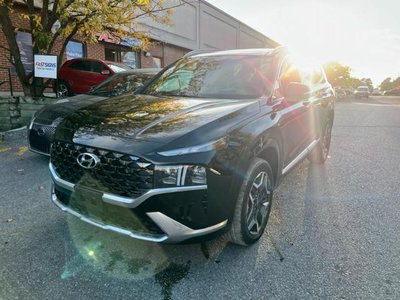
[(279, 49), (199, 51)]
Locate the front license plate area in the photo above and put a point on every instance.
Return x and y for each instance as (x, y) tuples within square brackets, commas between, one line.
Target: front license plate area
[(88, 203)]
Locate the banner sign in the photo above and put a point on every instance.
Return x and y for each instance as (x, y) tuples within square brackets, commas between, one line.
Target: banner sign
[(45, 66), (24, 42)]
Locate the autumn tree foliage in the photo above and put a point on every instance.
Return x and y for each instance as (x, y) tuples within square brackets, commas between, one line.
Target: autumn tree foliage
[(388, 84), (61, 20), (340, 75)]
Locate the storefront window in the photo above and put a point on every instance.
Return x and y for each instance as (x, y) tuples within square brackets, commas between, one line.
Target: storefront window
[(156, 62), (129, 58), (24, 41), (121, 54), (74, 50), (111, 54)]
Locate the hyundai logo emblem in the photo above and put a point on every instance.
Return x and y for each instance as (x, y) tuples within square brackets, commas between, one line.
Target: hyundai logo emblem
[(41, 131), (87, 160)]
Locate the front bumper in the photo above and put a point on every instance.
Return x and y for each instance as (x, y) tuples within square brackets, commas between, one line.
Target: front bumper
[(40, 137), (128, 209)]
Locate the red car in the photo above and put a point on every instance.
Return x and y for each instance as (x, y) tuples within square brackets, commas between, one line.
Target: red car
[(77, 76)]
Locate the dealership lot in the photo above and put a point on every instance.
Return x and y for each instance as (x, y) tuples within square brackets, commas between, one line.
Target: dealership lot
[(333, 231)]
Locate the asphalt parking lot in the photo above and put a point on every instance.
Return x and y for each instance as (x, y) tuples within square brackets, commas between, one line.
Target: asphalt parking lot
[(334, 231)]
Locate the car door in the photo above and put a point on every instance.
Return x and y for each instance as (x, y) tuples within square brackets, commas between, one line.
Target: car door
[(79, 76), (84, 74), (296, 114), (98, 73)]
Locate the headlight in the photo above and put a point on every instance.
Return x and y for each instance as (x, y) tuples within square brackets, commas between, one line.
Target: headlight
[(173, 176)]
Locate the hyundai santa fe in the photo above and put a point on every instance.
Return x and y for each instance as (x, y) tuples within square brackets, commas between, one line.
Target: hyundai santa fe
[(198, 151)]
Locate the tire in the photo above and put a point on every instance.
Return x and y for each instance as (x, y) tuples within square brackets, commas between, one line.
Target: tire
[(320, 153), (251, 216), (63, 89)]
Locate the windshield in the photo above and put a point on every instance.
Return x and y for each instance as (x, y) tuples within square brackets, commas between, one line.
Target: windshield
[(229, 77), (120, 84), (362, 88), (118, 68)]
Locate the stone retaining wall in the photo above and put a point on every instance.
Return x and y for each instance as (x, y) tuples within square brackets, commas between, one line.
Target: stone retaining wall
[(16, 112)]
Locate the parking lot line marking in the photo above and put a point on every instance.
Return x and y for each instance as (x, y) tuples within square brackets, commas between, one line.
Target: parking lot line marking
[(22, 150), (5, 149)]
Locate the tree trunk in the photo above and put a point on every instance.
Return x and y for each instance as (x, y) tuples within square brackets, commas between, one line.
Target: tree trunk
[(9, 32)]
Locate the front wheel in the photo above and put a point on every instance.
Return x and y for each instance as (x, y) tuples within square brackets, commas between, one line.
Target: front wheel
[(63, 89), (253, 204), (320, 153)]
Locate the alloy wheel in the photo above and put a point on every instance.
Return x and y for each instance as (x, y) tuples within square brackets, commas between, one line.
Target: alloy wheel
[(258, 204), (62, 90)]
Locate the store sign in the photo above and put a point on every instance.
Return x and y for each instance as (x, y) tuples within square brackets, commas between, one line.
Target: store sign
[(128, 41), (45, 66)]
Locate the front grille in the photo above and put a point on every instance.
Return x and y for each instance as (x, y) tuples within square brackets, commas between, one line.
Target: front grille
[(83, 202), (117, 173), (40, 137)]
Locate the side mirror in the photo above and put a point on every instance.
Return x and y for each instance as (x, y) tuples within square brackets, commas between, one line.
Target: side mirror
[(295, 91), (105, 72)]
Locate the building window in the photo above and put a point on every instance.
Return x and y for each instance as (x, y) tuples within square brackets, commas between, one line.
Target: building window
[(24, 41), (156, 62), (111, 54), (74, 50), (129, 58), (121, 54)]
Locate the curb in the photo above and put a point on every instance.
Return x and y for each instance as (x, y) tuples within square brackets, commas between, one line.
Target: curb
[(13, 130)]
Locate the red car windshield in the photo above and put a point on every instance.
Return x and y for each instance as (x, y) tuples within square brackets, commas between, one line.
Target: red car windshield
[(117, 68)]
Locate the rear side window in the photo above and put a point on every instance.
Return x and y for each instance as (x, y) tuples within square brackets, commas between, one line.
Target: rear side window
[(97, 67), (88, 66), (81, 65)]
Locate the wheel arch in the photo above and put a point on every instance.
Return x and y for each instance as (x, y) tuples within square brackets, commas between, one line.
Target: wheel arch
[(271, 151)]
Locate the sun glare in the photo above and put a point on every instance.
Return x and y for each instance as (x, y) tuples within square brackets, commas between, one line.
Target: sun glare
[(318, 32)]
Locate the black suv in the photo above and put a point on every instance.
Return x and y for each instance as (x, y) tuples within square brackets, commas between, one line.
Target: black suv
[(197, 151)]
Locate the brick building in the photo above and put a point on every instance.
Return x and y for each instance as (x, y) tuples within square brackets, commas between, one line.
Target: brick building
[(196, 25)]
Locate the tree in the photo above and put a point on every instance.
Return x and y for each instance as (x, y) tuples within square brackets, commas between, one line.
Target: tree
[(387, 84), (340, 76), (85, 19)]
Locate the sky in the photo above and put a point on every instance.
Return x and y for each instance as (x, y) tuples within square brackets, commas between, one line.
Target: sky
[(364, 35)]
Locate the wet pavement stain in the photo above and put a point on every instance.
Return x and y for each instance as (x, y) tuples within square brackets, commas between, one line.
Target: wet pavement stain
[(205, 250), (171, 276), (115, 257), (135, 265)]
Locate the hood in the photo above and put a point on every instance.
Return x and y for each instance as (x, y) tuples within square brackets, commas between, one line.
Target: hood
[(139, 123), (53, 114)]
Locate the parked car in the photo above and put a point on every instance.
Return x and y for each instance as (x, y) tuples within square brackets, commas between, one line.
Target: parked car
[(77, 76), (376, 92), (393, 92), (361, 91), (340, 94), (197, 152), (44, 121)]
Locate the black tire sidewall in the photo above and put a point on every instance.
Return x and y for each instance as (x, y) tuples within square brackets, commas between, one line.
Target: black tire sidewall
[(256, 168), (317, 155), (62, 82)]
